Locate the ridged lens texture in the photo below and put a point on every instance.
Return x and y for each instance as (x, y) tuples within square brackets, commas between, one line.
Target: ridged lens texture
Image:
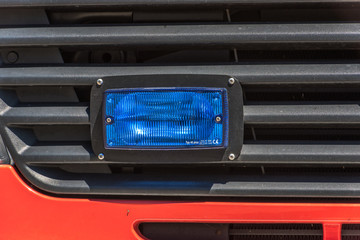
[(165, 118)]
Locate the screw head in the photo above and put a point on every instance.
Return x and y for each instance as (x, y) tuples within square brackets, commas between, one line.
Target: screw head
[(231, 156), (218, 119), (12, 57), (231, 81), (99, 82), (101, 156), (108, 120)]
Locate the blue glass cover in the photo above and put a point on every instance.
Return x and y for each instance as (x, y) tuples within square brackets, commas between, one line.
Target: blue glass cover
[(165, 118)]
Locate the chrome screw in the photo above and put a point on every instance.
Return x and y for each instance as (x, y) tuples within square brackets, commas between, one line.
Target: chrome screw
[(218, 119), (99, 82), (231, 81), (108, 120), (231, 156), (101, 156)]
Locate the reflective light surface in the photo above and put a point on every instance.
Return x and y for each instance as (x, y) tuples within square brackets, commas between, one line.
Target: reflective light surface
[(165, 118)]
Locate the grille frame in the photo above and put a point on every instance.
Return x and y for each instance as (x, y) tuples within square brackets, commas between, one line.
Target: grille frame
[(54, 168), (230, 231)]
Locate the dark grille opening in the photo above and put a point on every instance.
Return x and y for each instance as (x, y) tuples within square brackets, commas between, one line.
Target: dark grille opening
[(160, 231), (293, 56), (306, 135), (190, 231), (323, 14), (89, 17), (350, 232), (201, 56), (120, 17), (118, 56), (302, 94), (254, 13), (275, 231)]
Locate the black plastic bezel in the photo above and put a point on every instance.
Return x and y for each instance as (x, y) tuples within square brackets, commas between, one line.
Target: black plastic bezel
[(168, 156)]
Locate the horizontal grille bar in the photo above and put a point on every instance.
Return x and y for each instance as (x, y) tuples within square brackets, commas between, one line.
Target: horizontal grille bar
[(278, 188), (145, 3), (58, 154), (251, 154), (191, 35), (302, 114), (307, 153), (47, 115), (197, 185), (246, 74)]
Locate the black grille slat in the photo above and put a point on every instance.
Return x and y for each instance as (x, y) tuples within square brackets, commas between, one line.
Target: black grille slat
[(302, 114), (47, 115), (189, 35), (164, 3), (58, 154), (295, 153), (247, 74)]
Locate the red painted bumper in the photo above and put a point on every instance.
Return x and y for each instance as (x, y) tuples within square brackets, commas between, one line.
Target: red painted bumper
[(27, 214)]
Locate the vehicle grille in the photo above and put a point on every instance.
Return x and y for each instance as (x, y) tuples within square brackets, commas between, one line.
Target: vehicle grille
[(350, 232), (297, 62), (199, 231), (275, 231)]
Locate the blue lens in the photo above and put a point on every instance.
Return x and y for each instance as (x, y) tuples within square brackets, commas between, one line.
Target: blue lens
[(165, 118)]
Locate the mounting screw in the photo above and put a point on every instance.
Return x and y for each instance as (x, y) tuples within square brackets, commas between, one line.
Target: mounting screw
[(231, 156), (218, 119), (108, 120), (12, 57), (231, 81), (101, 156), (99, 82)]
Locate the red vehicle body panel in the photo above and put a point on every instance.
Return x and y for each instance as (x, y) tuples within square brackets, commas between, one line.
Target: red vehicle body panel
[(28, 214)]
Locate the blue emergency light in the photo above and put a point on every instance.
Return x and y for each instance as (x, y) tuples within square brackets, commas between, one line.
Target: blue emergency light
[(158, 118)]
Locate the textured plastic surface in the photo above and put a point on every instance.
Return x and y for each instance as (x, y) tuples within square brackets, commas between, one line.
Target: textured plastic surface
[(248, 75), (226, 35), (142, 3), (165, 118), (4, 157)]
